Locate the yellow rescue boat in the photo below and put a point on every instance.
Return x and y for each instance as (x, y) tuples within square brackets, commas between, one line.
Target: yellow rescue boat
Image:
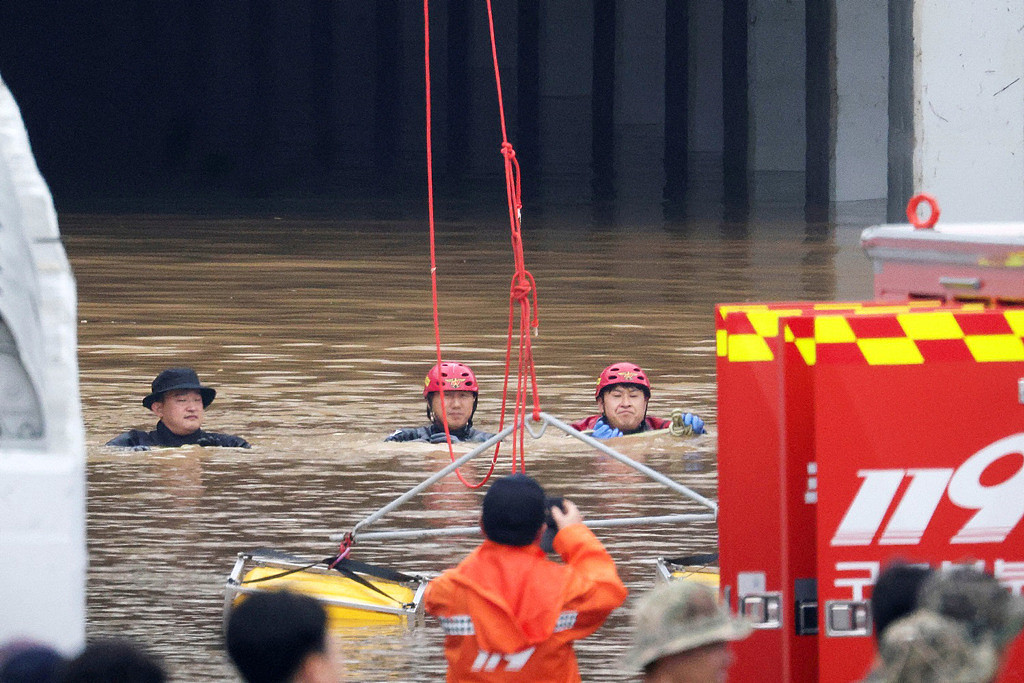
[(693, 568), (353, 593)]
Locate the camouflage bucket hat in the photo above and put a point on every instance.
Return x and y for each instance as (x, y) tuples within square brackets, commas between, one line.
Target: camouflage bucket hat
[(679, 616), (977, 600), (927, 647)]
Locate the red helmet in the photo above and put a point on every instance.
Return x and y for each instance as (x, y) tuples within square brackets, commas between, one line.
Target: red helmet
[(455, 376), (623, 373)]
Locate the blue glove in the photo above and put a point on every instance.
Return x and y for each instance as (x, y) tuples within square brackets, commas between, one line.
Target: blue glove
[(694, 423), (603, 430)]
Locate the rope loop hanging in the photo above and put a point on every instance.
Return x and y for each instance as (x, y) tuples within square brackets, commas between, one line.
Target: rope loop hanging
[(523, 290)]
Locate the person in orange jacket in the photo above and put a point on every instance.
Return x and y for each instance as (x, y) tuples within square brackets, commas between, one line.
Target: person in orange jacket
[(508, 612)]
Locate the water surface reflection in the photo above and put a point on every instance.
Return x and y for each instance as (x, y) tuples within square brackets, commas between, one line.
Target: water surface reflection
[(317, 333)]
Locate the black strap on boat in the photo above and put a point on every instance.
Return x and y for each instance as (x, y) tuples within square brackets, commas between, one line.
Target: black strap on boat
[(286, 572), (374, 571), (343, 565), (694, 560)]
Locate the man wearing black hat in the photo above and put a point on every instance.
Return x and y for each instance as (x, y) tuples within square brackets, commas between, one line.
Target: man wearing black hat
[(510, 613), (179, 400)]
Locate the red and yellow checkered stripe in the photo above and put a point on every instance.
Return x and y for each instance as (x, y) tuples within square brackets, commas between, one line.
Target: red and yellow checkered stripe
[(907, 334), (915, 338)]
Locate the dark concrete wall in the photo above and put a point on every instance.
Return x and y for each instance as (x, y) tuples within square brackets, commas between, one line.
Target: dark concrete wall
[(252, 97)]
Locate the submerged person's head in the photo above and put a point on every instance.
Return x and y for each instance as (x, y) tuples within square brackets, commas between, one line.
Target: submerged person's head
[(461, 393), (280, 637), (179, 400), (622, 394), (513, 511)]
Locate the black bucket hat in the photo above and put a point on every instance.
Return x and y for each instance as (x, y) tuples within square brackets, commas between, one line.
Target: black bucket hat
[(178, 378)]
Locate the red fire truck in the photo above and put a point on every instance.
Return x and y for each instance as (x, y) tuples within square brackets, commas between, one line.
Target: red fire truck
[(867, 432)]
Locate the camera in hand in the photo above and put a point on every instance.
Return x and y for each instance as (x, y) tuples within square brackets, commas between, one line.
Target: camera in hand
[(548, 538)]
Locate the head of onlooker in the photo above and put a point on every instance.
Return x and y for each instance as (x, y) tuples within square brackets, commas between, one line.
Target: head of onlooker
[(895, 593), (513, 511), (682, 635), (976, 599), (281, 637), (926, 647), (113, 661), (964, 621), (28, 661), (461, 393)]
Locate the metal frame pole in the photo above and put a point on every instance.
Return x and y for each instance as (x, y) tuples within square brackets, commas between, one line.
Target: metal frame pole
[(441, 474), (591, 523), (639, 467), (546, 419)]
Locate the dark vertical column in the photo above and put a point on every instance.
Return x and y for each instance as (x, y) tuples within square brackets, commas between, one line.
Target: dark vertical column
[(281, 45), (603, 102), (181, 142), (459, 99), (323, 116), (677, 91), (354, 98), (735, 119), (901, 108), (528, 79), (566, 97), (388, 99), (258, 176), (820, 111)]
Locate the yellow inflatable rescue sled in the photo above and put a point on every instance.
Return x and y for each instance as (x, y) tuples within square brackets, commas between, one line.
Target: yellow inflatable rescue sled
[(353, 593), (692, 568)]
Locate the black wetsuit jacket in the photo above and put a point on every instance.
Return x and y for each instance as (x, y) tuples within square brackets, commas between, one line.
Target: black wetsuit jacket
[(435, 434), (162, 437)]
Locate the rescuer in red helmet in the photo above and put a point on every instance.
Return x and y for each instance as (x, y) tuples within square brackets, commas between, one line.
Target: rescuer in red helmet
[(622, 393), (460, 398)]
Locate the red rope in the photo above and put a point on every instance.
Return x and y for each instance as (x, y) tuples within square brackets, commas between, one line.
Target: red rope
[(523, 290), (433, 251)]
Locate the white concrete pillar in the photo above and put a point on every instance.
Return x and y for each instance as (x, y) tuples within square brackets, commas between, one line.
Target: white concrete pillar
[(968, 109), (776, 75), (566, 87), (861, 127), (639, 101), (42, 437)]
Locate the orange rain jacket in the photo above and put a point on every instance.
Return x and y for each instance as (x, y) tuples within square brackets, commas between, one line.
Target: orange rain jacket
[(511, 614)]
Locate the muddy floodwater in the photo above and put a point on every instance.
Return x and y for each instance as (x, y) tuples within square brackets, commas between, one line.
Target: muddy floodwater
[(317, 331)]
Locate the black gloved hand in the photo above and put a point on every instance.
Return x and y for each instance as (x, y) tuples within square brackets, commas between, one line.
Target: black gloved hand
[(440, 438)]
